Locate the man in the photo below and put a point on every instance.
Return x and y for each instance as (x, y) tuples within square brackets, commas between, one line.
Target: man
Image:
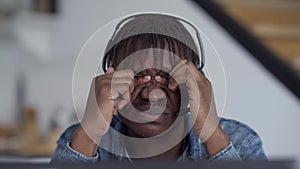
[(164, 105)]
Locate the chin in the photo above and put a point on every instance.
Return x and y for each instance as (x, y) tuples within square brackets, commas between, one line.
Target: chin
[(147, 130), (144, 130)]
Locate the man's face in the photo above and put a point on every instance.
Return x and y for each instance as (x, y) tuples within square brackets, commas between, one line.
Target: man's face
[(151, 85)]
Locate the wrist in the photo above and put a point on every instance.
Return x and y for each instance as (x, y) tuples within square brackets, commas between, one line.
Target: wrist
[(84, 144), (216, 142)]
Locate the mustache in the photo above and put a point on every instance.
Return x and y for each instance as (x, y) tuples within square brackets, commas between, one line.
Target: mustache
[(143, 104)]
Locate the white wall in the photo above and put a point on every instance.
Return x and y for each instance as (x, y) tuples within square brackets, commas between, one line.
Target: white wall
[(253, 95), (8, 86)]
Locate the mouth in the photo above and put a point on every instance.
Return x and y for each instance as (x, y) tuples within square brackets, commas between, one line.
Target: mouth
[(150, 113), (151, 107), (150, 117)]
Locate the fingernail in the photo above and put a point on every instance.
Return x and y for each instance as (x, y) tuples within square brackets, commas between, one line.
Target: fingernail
[(110, 70), (147, 78), (131, 87), (157, 78)]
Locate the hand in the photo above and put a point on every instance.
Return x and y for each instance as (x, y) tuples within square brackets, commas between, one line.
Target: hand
[(106, 91), (202, 105), (104, 94)]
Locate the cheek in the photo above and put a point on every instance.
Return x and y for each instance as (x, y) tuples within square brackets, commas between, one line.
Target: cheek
[(137, 90), (174, 100), (184, 97), (178, 99)]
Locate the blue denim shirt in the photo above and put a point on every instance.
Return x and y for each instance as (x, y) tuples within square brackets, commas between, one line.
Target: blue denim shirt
[(245, 144)]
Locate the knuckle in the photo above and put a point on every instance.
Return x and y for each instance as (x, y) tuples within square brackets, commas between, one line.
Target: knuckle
[(104, 88), (102, 80), (129, 73), (190, 64), (208, 83)]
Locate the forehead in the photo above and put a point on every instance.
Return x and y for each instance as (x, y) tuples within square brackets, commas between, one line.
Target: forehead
[(148, 51), (150, 58), (134, 45)]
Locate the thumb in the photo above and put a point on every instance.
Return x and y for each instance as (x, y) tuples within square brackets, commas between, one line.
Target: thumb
[(110, 70)]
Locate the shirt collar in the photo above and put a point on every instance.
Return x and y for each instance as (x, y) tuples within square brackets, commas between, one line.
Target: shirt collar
[(194, 150)]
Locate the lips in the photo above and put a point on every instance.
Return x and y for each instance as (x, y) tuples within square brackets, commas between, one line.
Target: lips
[(143, 107), (152, 107), (150, 117), (149, 112)]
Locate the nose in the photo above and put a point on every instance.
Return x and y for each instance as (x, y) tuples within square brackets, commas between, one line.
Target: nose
[(152, 92)]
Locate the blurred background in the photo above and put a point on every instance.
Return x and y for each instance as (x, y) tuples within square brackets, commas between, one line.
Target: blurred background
[(40, 41)]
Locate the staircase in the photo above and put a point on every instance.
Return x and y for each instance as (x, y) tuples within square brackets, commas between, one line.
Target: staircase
[(275, 23)]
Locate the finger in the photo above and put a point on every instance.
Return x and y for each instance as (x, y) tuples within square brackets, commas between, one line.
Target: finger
[(131, 86), (110, 70), (172, 84), (126, 96), (161, 80), (178, 66), (120, 80), (123, 100), (144, 79), (123, 73), (182, 79), (123, 77), (195, 72), (122, 103), (178, 75), (121, 89), (188, 74), (136, 91)]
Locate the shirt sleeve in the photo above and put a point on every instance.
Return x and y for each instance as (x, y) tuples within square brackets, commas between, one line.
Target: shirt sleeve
[(252, 148), (228, 153), (245, 143), (65, 153)]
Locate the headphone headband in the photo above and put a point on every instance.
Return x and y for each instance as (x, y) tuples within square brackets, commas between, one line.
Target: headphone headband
[(201, 49)]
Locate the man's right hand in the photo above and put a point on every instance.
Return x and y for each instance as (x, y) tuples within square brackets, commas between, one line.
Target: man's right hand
[(112, 88)]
